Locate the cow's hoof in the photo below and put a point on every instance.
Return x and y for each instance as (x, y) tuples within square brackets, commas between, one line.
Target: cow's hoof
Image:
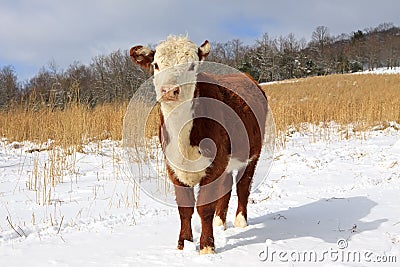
[(207, 250), (218, 222), (240, 221)]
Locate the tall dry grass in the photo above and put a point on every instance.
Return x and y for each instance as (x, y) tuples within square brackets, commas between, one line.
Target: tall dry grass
[(362, 100), (72, 126), (365, 100)]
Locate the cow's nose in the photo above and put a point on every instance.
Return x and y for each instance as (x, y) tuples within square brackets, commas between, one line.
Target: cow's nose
[(170, 93), (176, 91)]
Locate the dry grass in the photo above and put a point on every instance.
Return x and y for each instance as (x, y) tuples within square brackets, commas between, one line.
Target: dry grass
[(365, 100), (50, 171), (73, 126)]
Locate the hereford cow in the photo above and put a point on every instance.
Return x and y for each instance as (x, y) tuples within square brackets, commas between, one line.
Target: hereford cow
[(210, 126)]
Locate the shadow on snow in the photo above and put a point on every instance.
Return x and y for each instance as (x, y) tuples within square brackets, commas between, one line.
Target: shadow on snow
[(326, 219)]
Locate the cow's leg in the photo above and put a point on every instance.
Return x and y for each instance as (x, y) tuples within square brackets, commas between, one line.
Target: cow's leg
[(185, 214), (206, 204), (244, 179), (186, 201), (206, 213), (222, 203)]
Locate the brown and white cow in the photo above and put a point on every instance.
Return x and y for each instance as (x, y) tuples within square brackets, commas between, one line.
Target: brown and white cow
[(210, 126)]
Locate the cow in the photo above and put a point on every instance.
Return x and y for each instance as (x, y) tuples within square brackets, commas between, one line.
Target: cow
[(211, 127)]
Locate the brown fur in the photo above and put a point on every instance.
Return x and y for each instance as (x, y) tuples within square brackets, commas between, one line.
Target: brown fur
[(142, 56), (203, 55), (242, 94), (254, 122)]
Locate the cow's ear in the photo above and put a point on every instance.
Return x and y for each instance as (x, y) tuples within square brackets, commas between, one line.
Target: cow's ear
[(142, 56), (204, 50)]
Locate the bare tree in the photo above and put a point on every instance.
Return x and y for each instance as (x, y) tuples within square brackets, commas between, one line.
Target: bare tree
[(8, 86), (321, 37)]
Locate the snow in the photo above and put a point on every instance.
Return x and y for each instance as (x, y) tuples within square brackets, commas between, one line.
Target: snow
[(280, 82), (320, 193), (394, 70)]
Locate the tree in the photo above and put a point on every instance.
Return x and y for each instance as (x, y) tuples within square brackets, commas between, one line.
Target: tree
[(265, 59), (372, 48), (289, 49), (78, 83), (231, 53), (8, 86), (321, 37), (320, 40), (357, 36)]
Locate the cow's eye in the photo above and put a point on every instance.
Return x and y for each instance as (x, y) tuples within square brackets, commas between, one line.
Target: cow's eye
[(191, 67), (155, 65)]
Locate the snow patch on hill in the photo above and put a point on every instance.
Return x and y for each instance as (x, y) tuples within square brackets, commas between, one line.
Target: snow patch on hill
[(395, 70)]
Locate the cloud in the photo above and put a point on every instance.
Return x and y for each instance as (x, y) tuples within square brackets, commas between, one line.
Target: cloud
[(35, 32)]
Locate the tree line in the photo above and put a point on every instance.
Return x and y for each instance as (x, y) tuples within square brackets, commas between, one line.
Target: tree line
[(113, 77)]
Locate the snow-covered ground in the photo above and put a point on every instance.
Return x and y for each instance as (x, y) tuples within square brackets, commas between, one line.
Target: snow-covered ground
[(395, 70), (335, 200)]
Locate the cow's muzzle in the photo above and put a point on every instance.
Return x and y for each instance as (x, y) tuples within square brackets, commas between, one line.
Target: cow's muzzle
[(170, 92)]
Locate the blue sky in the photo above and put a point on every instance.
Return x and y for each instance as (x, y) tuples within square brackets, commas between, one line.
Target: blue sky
[(36, 32)]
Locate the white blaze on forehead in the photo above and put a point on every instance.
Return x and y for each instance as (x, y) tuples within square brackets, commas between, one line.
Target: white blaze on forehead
[(173, 59), (174, 51)]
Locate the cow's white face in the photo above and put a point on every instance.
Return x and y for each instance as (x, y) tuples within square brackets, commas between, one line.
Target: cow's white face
[(175, 67), (174, 62)]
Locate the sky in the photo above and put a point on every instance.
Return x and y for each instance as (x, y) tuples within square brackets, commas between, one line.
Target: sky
[(34, 33)]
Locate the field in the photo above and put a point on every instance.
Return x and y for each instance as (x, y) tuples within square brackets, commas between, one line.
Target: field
[(365, 101), (67, 197), (73, 126)]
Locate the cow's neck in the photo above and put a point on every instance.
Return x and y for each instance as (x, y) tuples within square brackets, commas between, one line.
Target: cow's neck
[(184, 159), (178, 119)]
